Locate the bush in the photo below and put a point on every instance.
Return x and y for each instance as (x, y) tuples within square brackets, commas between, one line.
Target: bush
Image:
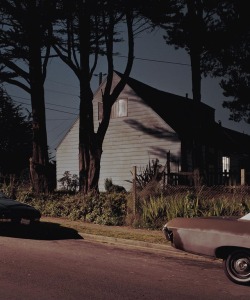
[(109, 209), (113, 188), (151, 212), (69, 182)]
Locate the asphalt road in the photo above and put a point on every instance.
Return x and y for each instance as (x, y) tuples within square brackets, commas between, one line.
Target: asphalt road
[(75, 268)]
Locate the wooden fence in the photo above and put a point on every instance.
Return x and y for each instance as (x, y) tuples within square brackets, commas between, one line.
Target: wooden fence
[(210, 179)]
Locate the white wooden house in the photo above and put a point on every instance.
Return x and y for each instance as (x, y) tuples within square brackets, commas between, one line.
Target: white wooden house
[(147, 124)]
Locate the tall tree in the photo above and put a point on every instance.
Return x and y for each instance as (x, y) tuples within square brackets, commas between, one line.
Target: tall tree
[(216, 35), (91, 31), (231, 59), (195, 27), (189, 25), (15, 137), (25, 50)]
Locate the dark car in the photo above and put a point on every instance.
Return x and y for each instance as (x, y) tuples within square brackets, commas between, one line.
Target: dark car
[(17, 212), (226, 238)]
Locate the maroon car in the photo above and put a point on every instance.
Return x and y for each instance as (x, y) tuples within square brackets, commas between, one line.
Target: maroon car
[(227, 238)]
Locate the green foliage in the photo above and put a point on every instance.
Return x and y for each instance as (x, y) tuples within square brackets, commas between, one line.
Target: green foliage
[(107, 209), (153, 172), (69, 182), (15, 137), (154, 212), (117, 208), (158, 210), (113, 188)]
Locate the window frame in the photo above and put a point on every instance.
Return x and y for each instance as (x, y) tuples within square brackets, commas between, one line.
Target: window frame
[(119, 108), (225, 165)]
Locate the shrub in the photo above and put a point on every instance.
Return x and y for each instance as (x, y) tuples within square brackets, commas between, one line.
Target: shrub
[(69, 182), (109, 209), (113, 188), (151, 212), (153, 172)]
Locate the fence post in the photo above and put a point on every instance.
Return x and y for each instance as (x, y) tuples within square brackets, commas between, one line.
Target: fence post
[(242, 176), (134, 189), (168, 168)]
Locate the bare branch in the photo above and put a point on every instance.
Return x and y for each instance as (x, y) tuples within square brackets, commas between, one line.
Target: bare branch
[(67, 60)]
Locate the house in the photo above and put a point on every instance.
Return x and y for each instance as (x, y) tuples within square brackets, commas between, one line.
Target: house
[(149, 124)]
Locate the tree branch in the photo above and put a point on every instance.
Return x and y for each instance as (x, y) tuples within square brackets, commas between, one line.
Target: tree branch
[(19, 71), (67, 61)]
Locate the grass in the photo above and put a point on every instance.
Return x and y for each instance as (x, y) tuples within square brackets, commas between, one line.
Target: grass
[(122, 232)]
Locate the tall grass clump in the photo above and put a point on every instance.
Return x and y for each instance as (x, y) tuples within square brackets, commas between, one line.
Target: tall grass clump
[(154, 212), (159, 209)]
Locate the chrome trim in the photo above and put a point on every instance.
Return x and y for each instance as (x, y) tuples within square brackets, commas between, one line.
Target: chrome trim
[(168, 233)]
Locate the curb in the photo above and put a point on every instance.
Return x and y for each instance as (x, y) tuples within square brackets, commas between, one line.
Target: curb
[(112, 240), (166, 249)]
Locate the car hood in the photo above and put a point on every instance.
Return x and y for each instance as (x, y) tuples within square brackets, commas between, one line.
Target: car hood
[(223, 224)]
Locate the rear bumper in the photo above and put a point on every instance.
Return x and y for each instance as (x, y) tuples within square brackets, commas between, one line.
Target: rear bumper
[(24, 221)]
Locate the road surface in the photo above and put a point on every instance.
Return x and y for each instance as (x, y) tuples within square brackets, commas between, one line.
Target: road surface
[(74, 268)]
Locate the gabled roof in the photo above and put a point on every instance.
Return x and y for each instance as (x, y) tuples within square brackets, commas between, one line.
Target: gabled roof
[(190, 118), (184, 115)]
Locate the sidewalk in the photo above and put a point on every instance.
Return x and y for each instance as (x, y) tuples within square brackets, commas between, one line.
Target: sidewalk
[(151, 240)]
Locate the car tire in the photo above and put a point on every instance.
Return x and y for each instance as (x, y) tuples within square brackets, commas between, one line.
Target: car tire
[(237, 266)]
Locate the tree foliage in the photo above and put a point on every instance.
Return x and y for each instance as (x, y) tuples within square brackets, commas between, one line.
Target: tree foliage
[(232, 60), (15, 137), (25, 49), (189, 25), (216, 35)]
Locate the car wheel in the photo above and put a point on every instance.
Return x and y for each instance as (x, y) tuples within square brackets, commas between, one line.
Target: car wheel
[(237, 266)]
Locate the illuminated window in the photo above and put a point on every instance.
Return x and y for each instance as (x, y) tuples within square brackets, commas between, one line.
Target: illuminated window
[(120, 108), (225, 164)]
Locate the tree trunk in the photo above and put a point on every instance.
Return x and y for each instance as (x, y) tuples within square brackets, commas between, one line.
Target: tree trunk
[(90, 143), (39, 162), (196, 74), (89, 160), (195, 44), (89, 149)]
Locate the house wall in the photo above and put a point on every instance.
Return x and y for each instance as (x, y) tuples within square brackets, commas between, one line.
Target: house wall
[(134, 140), (130, 141), (67, 153), (235, 167)]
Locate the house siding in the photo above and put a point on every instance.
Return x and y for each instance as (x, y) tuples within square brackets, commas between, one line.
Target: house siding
[(149, 132), (67, 154), (130, 141), (134, 140)]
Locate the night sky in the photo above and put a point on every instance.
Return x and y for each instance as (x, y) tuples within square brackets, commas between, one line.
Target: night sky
[(156, 64)]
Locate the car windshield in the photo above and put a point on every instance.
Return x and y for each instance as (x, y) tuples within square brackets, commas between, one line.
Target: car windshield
[(246, 217)]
